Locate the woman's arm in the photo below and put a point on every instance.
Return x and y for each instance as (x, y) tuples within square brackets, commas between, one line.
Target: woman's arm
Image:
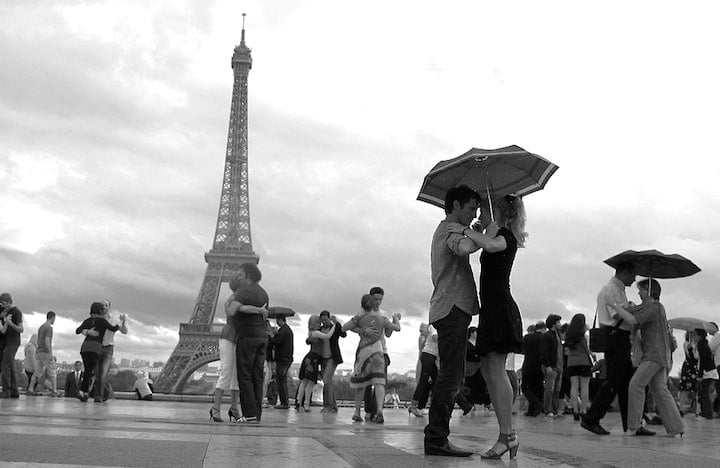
[(321, 335), (624, 314), (489, 242)]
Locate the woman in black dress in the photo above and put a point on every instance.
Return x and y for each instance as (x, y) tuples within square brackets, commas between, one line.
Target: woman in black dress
[(93, 328), (500, 329)]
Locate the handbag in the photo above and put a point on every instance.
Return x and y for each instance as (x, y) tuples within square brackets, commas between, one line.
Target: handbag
[(598, 336)]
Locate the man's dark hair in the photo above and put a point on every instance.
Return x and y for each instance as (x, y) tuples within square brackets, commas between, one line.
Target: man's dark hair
[(461, 194), (6, 297), (97, 308), (50, 315), (551, 320), (540, 326), (252, 272), (281, 318), (377, 290), (325, 312), (701, 333), (78, 362), (470, 331), (625, 267)]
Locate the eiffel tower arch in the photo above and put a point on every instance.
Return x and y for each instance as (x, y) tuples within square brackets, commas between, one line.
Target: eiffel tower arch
[(232, 245)]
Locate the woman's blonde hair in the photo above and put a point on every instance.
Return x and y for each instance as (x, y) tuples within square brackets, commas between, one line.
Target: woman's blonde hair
[(511, 215)]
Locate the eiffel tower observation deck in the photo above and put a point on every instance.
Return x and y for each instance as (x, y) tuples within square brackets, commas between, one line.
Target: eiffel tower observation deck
[(232, 244)]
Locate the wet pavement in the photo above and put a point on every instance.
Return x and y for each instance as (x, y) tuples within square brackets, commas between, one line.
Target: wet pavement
[(63, 432)]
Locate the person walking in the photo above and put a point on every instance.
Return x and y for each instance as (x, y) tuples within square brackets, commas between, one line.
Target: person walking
[(500, 330), (617, 351), (44, 360), (655, 363), (689, 376), (552, 366), (579, 365), (454, 301), (283, 345), (532, 374)]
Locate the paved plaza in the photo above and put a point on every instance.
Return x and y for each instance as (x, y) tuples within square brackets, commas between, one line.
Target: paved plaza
[(62, 432)]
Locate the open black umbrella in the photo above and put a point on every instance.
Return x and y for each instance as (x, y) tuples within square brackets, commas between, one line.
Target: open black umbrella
[(498, 172), (690, 323), (655, 264), (278, 311)]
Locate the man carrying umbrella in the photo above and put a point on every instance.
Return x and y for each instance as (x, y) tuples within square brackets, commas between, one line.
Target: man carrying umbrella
[(453, 302), (617, 351)]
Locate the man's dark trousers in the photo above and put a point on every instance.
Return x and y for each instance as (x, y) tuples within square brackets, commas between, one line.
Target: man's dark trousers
[(619, 372), (250, 354), (452, 344), (532, 388), (281, 373)]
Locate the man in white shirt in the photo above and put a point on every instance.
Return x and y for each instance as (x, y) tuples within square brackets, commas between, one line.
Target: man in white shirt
[(108, 348), (617, 351)]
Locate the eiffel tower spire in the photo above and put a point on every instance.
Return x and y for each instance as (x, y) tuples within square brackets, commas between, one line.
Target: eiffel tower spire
[(232, 243)]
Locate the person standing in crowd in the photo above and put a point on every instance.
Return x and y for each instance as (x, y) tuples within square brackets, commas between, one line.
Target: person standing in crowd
[(269, 369), (552, 366), (617, 351), (655, 363), (29, 362), (500, 329), (532, 374), (91, 350), (72, 381), (473, 383), (370, 367), (454, 301), (707, 371), (370, 398), (283, 347), (108, 348), (44, 360), (714, 344), (251, 334), (11, 326), (143, 387), (579, 365), (330, 359), (689, 376), (428, 372)]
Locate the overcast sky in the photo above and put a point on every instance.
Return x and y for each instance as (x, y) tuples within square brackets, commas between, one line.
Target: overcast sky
[(113, 127)]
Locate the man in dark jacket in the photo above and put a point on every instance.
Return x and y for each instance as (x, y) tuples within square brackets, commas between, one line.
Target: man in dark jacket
[(552, 365), (532, 375), (329, 364), (282, 344)]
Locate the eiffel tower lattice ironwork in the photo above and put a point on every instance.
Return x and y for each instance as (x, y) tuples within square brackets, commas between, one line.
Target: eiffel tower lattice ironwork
[(232, 246)]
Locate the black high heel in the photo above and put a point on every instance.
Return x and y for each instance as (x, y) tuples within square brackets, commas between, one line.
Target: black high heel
[(215, 414), (511, 445), (234, 414)]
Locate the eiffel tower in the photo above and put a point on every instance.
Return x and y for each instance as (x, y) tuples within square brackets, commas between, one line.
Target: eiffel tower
[(232, 245)]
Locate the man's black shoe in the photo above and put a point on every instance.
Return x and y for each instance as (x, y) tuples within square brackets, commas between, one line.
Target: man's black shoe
[(593, 427), (644, 432), (446, 449)]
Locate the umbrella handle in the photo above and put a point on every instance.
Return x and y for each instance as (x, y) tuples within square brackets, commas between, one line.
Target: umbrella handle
[(487, 189)]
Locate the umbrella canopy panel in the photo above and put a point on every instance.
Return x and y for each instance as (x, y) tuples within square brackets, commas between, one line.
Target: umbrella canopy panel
[(690, 323), (503, 171)]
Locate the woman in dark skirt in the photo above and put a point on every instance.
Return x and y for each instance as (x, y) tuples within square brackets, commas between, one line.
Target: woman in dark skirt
[(500, 331)]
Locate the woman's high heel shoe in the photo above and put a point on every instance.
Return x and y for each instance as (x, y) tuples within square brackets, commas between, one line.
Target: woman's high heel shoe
[(215, 414), (234, 414), (511, 445)]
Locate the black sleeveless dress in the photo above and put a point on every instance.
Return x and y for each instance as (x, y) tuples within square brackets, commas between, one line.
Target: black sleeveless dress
[(500, 329)]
